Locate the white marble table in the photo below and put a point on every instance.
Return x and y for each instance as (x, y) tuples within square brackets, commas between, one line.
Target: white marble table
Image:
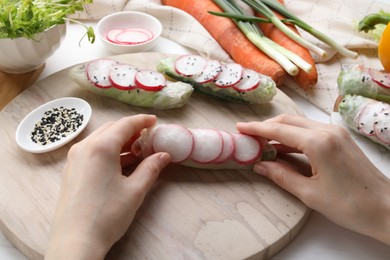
[(320, 239)]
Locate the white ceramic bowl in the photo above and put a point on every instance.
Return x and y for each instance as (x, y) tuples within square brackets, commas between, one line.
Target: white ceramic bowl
[(125, 20), (22, 55)]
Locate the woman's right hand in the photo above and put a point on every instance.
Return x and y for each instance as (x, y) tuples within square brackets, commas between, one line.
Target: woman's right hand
[(344, 186)]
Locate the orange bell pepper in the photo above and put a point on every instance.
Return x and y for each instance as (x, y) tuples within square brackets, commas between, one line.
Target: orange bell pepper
[(384, 48)]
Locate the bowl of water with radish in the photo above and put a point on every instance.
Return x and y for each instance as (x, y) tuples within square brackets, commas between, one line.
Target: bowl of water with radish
[(129, 31)]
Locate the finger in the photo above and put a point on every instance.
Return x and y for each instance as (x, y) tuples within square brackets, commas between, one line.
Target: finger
[(128, 159), (285, 177), (291, 136), (295, 120), (124, 129), (148, 170), (283, 149), (127, 146), (97, 131)]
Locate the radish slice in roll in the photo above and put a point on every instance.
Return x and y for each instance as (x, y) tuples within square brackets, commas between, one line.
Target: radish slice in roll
[(173, 139)]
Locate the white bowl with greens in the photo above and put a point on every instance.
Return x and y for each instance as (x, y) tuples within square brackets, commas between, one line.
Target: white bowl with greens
[(30, 31), (22, 55)]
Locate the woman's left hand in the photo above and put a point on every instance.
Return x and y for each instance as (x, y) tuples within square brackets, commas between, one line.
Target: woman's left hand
[(97, 202)]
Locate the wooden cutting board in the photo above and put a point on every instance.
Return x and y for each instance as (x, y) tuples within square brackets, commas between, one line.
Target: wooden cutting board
[(12, 85), (189, 214)]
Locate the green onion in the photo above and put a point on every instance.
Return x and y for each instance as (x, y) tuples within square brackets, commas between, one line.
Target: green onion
[(276, 52), (263, 9), (274, 4)]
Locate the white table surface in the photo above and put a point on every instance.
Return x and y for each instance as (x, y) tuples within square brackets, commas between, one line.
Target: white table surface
[(320, 239)]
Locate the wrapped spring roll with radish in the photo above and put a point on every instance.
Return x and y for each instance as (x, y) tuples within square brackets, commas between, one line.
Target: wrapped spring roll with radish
[(368, 82), (203, 147), (227, 81), (129, 84), (368, 117)]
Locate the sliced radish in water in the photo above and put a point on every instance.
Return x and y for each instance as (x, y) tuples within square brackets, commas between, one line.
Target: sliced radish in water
[(150, 80), (175, 140), (132, 36), (247, 149), (122, 76), (382, 126), (98, 72), (111, 35), (381, 78), (145, 31), (129, 36), (228, 147), (208, 145), (209, 73), (189, 65), (250, 80), (230, 75), (368, 117)]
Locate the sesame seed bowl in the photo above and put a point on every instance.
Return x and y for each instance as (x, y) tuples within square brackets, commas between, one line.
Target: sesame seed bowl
[(53, 124)]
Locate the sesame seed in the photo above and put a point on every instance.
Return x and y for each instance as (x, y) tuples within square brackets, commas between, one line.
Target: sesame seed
[(55, 124)]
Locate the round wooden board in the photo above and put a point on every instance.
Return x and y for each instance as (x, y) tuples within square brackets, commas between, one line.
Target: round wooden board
[(189, 213)]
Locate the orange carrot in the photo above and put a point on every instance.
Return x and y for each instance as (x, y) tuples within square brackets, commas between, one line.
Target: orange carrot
[(229, 36), (303, 79)]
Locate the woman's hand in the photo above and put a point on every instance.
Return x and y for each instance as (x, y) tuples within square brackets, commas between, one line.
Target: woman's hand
[(345, 186), (97, 202)]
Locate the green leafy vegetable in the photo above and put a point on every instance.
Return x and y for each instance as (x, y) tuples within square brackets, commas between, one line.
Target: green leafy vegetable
[(26, 18)]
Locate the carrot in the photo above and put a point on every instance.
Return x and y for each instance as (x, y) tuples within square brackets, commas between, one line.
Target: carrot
[(303, 79), (229, 36)]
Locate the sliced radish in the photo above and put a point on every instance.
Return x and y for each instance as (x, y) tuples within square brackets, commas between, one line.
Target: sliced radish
[(132, 36), (247, 149), (230, 75), (173, 139), (150, 80), (208, 144), (250, 80), (209, 73), (368, 117), (98, 72), (129, 35), (228, 147), (122, 76), (381, 78), (189, 65), (145, 31), (382, 126), (111, 35)]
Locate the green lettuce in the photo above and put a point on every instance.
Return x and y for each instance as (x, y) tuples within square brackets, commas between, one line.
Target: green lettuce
[(260, 95)]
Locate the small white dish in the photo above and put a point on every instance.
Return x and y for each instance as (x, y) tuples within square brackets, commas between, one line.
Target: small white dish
[(26, 126), (126, 20)]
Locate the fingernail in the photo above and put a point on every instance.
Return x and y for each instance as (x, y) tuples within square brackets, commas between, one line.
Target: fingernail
[(260, 169), (165, 157)]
